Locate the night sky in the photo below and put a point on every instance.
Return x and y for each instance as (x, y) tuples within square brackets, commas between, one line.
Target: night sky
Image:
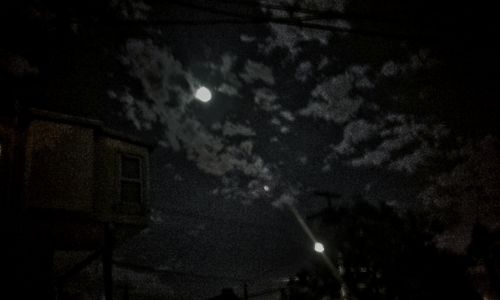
[(394, 102)]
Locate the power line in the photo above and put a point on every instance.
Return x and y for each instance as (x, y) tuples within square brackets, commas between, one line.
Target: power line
[(319, 20), (297, 8), (305, 21)]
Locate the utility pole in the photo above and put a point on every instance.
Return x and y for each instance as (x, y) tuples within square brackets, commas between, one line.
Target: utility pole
[(329, 197), (107, 262)]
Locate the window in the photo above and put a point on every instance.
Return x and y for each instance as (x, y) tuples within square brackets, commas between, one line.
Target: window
[(131, 183), (3, 150)]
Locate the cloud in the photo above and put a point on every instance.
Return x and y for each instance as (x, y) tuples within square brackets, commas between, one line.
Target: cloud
[(287, 115), (159, 73), (255, 71), (131, 9), (228, 89), (247, 39), (231, 84), (231, 129), (235, 188), (286, 199), (390, 68), (276, 121), (356, 132), (226, 66), (266, 99), (285, 129), (289, 38), (409, 162), (304, 71), (397, 142), (415, 62), (333, 99), (323, 63)]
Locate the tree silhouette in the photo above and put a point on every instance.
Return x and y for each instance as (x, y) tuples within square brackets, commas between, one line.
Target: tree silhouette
[(384, 254)]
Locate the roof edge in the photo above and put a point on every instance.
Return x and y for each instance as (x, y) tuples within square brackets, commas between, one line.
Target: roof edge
[(97, 125)]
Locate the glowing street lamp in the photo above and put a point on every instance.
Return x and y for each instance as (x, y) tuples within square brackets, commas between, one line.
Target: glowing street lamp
[(318, 247)]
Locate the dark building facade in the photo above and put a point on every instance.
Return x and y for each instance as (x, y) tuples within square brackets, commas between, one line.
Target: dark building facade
[(67, 184)]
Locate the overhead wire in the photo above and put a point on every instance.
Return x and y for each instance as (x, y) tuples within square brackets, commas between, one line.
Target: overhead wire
[(304, 20), (297, 8), (300, 17)]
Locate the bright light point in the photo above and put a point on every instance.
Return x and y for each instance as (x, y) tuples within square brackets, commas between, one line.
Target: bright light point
[(318, 247), (266, 188), (203, 94)]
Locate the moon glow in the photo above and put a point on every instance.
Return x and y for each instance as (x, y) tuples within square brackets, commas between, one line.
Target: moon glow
[(203, 94)]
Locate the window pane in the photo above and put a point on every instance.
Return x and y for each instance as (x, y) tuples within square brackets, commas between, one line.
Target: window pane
[(130, 192), (131, 167)]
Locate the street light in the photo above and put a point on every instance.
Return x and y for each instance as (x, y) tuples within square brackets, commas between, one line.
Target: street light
[(318, 247)]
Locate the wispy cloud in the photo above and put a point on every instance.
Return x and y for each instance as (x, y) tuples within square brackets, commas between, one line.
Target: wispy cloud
[(131, 9), (396, 141), (304, 71), (247, 39), (255, 71), (414, 62), (334, 99), (266, 99), (231, 84)]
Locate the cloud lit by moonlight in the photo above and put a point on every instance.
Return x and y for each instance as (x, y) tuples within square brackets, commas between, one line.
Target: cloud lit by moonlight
[(203, 94)]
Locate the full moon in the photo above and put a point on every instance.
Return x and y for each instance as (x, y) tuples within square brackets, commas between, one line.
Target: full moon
[(203, 94)]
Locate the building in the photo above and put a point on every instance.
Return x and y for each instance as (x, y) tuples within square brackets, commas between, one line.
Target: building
[(67, 184)]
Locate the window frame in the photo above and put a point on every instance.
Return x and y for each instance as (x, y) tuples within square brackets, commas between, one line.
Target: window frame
[(135, 207), (4, 149)]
